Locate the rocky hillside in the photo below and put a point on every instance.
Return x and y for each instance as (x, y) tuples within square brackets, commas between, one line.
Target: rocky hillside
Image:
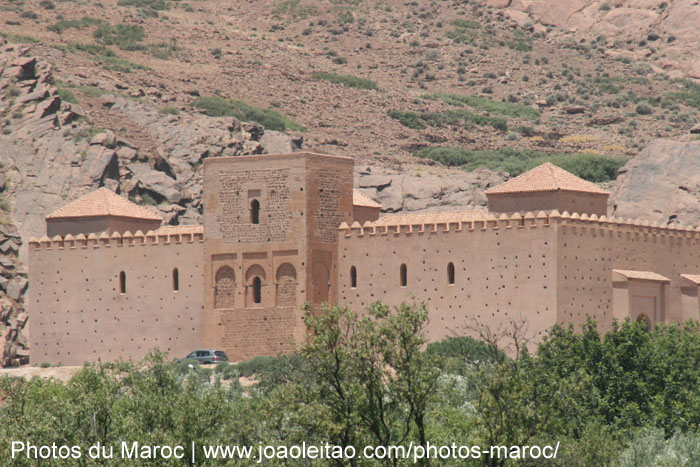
[(436, 101)]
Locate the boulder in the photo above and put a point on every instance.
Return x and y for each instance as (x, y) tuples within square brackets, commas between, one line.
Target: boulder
[(160, 185), (661, 184), (100, 164), (16, 287), (276, 142)]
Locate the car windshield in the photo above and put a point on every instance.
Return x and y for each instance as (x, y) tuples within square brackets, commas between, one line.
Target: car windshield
[(219, 353)]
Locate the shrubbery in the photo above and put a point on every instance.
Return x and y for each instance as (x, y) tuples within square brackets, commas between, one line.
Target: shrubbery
[(629, 397), (592, 167), (215, 106), (348, 80)]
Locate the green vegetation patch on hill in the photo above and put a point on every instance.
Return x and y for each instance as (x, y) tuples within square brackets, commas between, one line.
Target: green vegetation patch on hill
[(215, 106), (449, 117), (81, 23), (507, 109), (591, 167), (690, 95), (347, 80)]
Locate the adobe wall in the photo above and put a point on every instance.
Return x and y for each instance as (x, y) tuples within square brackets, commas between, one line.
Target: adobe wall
[(292, 250), (504, 270), (97, 225), (79, 313), (363, 214), (330, 195), (236, 251), (588, 251), (523, 202)]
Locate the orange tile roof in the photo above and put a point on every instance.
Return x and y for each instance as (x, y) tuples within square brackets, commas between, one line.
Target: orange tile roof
[(641, 275), (180, 229), (360, 199), (546, 177), (102, 202), (429, 218)]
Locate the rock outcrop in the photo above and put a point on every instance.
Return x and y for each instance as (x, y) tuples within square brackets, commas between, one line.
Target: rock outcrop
[(419, 191), (661, 184)]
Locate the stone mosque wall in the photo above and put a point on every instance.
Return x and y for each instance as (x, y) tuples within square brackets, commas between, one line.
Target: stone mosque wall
[(653, 257), (489, 271), (114, 297)]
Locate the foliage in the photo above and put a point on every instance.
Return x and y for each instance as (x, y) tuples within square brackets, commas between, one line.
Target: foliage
[(690, 95), (152, 4), (592, 167), (81, 23), (449, 117), (124, 36), (507, 109), (348, 80), (215, 106), (626, 398)]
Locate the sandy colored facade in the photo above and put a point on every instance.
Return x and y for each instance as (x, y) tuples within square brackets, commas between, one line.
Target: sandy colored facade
[(283, 230)]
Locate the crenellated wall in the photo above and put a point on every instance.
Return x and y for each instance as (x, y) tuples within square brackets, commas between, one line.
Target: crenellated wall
[(504, 270), (542, 268), (590, 248), (80, 314)]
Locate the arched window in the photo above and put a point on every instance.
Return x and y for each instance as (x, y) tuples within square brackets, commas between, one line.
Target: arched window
[(255, 212), (254, 278), (353, 277), (257, 290), (404, 276), (122, 282), (176, 280), (450, 273)]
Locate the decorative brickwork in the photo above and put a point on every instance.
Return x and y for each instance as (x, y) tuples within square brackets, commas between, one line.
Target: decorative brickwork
[(328, 215), (234, 222), (250, 332)]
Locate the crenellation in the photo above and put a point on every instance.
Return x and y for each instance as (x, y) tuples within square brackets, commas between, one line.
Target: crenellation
[(280, 231)]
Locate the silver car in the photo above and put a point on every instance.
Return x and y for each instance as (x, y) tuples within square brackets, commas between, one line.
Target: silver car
[(206, 356)]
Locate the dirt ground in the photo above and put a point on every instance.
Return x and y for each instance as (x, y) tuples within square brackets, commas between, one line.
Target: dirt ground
[(61, 373)]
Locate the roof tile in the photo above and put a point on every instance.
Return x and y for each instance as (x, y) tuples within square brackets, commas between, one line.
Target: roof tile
[(360, 199), (102, 202), (546, 177)]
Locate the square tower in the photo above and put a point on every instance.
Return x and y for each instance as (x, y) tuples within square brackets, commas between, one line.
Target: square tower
[(271, 244)]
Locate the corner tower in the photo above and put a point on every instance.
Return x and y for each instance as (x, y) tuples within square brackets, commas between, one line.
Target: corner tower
[(546, 188), (271, 227)]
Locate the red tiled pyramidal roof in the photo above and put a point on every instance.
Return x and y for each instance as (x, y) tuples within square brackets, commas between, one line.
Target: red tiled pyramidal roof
[(360, 199), (102, 202), (546, 177)]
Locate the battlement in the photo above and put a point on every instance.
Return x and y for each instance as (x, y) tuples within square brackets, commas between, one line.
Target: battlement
[(117, 240), (442, 224)]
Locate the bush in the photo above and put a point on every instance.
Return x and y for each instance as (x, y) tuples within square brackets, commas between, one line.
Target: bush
[(81, 23), (449, 117), (455, 354), (150, 4), (215, 106), (124, 36), (169, 110), (347, 80), (644, 109), (592, 167), (508, 109), (254, 365)]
